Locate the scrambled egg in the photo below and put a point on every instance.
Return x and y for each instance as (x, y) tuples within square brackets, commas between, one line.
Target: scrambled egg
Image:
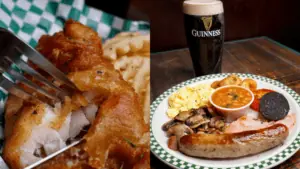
[(188, 98)]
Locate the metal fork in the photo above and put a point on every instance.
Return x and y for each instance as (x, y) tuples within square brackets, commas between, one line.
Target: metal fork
[(11, 50), (53, 155)]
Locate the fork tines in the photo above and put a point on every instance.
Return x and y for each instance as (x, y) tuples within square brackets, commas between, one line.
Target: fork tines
[(11, 50)]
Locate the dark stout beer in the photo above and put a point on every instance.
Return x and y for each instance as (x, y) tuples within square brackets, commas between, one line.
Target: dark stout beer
[(204, 27)]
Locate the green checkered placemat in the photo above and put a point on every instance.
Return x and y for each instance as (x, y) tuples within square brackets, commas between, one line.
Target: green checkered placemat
[(29, 19)]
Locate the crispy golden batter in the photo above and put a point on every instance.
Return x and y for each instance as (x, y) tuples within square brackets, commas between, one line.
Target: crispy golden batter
[(20, 132), (120, 115), (11, 113), (77, 47), (136, 71), (118, 137)]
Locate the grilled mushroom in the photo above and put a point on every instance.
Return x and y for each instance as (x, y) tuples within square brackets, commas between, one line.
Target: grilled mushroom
[(179, 130), (211, 111), (217, 122), (169, 124), (204, 126), (196, 120), (200, 111), (220, 125), (182, 116)]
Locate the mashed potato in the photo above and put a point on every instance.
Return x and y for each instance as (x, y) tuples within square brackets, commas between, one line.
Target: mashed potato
[(188, 98)]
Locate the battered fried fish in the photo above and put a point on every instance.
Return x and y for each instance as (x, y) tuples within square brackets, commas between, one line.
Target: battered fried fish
[(118, 136)]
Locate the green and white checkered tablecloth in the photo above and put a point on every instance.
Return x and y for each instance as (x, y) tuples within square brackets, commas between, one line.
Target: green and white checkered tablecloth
[(29, 19)]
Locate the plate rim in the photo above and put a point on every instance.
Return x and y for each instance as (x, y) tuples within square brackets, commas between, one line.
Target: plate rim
[(175, 162)]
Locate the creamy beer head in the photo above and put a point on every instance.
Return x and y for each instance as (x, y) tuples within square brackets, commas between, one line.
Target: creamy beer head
[(202, 7)]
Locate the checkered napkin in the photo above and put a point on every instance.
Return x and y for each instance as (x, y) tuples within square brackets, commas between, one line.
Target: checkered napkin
[(29, 19)]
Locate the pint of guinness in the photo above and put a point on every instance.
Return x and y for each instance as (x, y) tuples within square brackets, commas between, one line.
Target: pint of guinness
[(204, 27)]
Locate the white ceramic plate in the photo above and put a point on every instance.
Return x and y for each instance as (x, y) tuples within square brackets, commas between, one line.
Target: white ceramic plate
[(262, 160)]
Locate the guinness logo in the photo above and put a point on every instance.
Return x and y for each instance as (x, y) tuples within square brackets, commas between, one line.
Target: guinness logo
[(207, 21)]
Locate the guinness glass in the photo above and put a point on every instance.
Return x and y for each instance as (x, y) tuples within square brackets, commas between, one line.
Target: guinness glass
[(204, 27)]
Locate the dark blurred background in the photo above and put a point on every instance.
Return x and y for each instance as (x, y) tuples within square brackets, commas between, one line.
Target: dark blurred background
[(277, 19)]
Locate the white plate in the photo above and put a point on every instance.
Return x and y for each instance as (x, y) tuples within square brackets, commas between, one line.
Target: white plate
[(262, 160)]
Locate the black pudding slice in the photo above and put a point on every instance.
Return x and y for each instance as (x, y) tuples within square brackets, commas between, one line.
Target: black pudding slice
[(274, 106)]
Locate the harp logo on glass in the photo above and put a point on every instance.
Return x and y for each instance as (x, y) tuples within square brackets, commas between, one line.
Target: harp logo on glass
[(207, 22)]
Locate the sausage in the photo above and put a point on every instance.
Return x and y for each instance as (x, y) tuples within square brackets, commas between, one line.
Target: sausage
[(233, 145)]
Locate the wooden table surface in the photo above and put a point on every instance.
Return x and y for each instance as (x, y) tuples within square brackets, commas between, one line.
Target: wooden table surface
[(260, 56)]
